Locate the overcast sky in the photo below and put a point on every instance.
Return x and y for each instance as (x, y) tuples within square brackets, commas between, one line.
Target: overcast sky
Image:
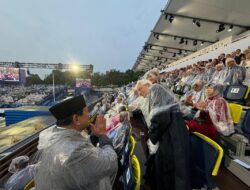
[(106, 33)]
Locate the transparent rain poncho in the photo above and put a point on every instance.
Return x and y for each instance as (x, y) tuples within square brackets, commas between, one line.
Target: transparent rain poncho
[(160, 98), (220, 115), (22, 173), (219, 77), (234, 75), (120, 132), (247, 78), (219, 112), (132, 96), (70, 161)]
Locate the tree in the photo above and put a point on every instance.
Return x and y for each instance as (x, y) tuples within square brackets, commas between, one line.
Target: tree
[(33, 79)]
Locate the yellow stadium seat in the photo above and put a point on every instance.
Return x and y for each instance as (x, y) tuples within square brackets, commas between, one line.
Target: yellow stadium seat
[(247, 93), (132, 145), (216, 146), (30, 185), (137, 171), (236, 111)]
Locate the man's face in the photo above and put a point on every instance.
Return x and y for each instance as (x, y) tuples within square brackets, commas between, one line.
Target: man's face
[(81, 121), (238, 51), (219, 67), (197, 86), (231, 63)]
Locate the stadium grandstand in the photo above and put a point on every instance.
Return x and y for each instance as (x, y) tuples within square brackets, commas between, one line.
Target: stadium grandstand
[(183, 125)]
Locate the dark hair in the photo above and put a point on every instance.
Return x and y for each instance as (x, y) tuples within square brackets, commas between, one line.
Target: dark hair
[(68, 120), (122, 108)]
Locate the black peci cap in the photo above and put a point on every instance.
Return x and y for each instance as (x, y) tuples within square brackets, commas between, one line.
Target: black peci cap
[(68, 107)]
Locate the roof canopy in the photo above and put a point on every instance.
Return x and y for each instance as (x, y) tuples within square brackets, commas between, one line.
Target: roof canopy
[(186, 26)]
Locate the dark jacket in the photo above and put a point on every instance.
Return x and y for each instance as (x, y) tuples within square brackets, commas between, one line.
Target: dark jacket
[(171, 161)]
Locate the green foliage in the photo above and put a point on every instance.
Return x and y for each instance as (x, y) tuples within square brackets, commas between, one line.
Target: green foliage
[(33, 79), (110, 78)]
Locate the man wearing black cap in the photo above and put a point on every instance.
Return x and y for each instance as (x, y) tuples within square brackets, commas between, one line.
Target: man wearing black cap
[(69, 160)]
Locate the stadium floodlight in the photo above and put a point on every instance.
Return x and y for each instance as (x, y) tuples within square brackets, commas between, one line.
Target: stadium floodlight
[(171, 18), (230, 28), (221, 28)]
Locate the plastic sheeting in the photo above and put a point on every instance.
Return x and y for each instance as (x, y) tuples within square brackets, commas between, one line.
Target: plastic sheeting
[(220, 115), (234, 75), (247, 79), (70, 161), (21, 178), (119, 134), (22, 173), (18, 163)]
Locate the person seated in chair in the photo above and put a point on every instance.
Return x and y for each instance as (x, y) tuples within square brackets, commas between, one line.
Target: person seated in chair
[(23, 173), (213, 116)]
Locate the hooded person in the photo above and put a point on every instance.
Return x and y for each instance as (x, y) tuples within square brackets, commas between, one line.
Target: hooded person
[(22, 172), (69, 160), (168, 139), (153, 76), (214, 115), (218, 110), (120, 132)]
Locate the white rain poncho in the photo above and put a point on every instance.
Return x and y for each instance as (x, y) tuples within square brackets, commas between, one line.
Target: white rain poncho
[(209, 72), (132, 96), (22, 173), (70, 161), (247, 78), (234, 75), (159, 99), (219, 112), (219, 77)]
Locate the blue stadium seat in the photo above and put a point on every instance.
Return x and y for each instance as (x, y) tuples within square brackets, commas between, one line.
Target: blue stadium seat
[(246, 125), (205, 161), (128, 176), (236, 93)]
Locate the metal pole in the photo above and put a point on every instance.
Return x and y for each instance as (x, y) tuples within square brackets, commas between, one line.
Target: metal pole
[(54, 96)]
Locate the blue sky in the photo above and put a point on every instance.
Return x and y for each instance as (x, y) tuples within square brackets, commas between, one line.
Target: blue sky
[(106, 33)]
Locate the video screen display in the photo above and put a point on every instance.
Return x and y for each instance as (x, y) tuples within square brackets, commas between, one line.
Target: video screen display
[(83, 83), (9, 74)]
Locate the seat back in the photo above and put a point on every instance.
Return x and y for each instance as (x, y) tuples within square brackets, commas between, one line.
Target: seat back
[(246, 125), (126, 153), (30, 185), (236, 111), (206, 156), (132, 143), (128, 176), (137, 171), (217, 148), (236, 93)]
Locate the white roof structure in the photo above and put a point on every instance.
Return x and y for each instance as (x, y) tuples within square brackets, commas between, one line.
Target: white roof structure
[(186, 26)]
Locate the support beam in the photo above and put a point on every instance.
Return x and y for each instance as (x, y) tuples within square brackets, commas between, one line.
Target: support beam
[(204, 19), (184, 37), (168, 47)]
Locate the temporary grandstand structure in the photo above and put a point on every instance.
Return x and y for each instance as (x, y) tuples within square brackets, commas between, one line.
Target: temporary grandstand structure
[(187, 26)]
